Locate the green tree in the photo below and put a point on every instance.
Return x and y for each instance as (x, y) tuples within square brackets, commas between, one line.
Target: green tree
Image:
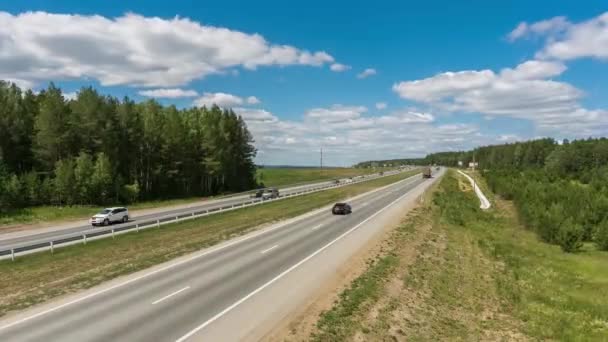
[(64, 184), (102, 178), (31, 188), (54, 129), (83, 175)]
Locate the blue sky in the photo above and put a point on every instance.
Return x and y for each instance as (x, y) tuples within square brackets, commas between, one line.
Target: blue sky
[(439, 67)]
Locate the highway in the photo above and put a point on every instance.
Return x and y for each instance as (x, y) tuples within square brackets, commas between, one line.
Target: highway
[(34, 236), (192, 297)]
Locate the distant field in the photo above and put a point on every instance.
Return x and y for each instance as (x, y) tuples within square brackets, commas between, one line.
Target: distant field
[(287, 176)]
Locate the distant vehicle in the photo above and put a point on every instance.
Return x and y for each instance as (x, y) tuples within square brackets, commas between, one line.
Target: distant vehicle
[(109, 216), (336, 181), (257, 194), (426, 173), (381, 173), (270, 193), (341, 209), (349, 180)]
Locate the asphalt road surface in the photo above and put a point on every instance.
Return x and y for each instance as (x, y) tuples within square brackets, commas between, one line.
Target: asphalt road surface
[(31, 237), (191, 297)]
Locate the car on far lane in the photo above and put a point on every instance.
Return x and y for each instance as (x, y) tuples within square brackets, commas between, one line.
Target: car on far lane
[(257, 194), (270, 193), (109, 216), (341, 209)]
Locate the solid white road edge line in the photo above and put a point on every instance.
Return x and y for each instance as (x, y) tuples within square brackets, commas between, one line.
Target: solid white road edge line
[(269, 249), (170, 295), (317, 227), (194, 257), (282, 274)]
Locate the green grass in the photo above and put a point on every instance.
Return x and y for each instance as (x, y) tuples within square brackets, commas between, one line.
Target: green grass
[(479, 275), (35, 278), (289, 176), (55, 213)]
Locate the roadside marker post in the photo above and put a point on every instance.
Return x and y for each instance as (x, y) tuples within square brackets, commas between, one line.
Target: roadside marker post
[(52, 248)]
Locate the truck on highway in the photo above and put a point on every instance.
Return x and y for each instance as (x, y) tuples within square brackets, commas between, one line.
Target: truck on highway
[(426, 173)]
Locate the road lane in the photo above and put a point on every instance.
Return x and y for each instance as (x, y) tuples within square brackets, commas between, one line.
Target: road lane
[(214, 282)]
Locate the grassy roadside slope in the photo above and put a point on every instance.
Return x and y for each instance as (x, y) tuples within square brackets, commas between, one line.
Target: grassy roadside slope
[(477, 276), (35, 278)]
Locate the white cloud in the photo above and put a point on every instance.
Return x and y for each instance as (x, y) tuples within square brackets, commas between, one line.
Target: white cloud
[(550, 26), (336, 113), (252, 100), (337, 67), (508, 137), (534, 69), (132, 49), (21, 83), (255, 115), (381, 105), (220, 99), (566, 40), (522, 92), (70, 95), (366, 73), (443, 85), (169, 93), (349, 134), (586, 39)]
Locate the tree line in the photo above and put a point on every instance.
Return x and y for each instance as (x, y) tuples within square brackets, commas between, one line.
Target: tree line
[(559, 189), (97, 149)]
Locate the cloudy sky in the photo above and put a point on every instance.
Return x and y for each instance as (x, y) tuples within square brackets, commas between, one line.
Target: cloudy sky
[(361, 80)]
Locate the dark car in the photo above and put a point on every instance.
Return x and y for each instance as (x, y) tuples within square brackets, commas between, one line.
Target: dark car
[(258, 193), (341, 209)]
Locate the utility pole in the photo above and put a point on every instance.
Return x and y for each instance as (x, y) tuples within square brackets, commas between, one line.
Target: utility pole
[(321, 160)]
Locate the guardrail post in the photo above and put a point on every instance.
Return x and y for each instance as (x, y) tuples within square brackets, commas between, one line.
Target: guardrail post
[(52, 248), (112, 233), (84, 239), (13, 254)]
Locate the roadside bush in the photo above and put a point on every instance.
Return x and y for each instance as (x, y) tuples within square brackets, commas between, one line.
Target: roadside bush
[(130, 193), (570, 236), (601, 235)]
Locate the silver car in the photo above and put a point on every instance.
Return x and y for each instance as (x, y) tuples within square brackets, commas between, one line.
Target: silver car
[(109, 216)]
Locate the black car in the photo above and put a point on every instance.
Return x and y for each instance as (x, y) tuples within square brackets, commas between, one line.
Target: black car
[(341, 209), (257, 194)]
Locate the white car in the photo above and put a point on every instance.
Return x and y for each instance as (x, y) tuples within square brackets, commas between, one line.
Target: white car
[(109, 216)]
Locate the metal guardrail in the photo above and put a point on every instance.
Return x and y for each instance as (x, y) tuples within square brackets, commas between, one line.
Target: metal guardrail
[(84, 237)]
